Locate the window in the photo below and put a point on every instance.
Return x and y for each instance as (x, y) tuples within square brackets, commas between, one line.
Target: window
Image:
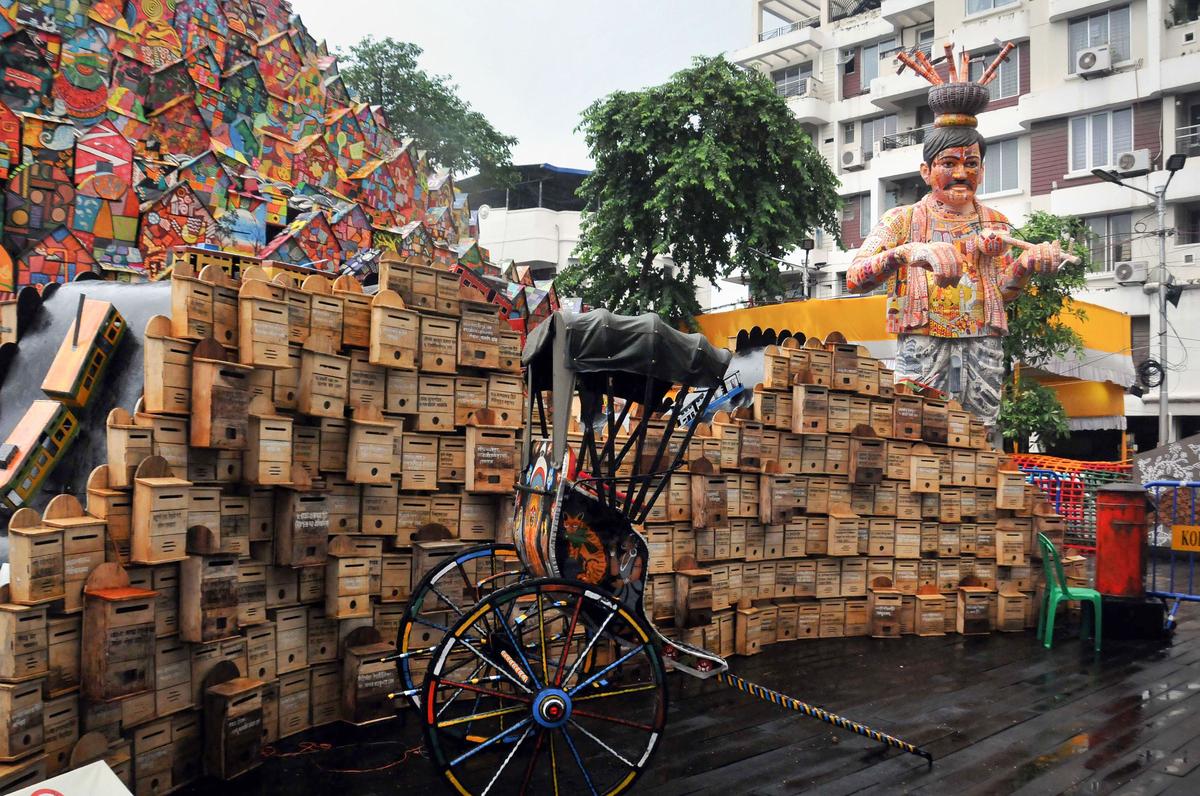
[(1107, 27), (864, 215), (873, 130), (791, 81), (1007, 82), (848, 133), (1109, 240), (870, 59), (979, 6), (842, 290), (1187, 224), (1001, 169), (1097, 138)]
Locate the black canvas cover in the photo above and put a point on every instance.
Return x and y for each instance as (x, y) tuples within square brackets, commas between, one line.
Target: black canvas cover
[(629, 348)]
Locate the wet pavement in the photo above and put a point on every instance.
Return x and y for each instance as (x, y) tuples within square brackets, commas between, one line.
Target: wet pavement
[(1000, 714)]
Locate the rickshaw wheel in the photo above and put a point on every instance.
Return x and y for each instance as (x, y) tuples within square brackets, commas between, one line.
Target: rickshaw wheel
[(442, 596), (511, 705)]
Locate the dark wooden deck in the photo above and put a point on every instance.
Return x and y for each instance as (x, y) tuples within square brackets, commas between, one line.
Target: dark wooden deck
[(1000, 714)]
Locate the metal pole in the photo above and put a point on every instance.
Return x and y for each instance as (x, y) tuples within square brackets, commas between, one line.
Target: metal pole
[(1164, 418)]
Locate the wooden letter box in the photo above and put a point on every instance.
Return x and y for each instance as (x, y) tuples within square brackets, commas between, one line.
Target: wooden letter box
[(369, 455), (35, 554), (160, 514), (233, 716), (491, 459), (167, 365), (83, 546), (356, 312), (324, 383), (479, 341), (301, 528), (810, 409), (263, 327), (369, 677), (128, 444), (118, 636), (435, 403), (268, 457), (208, 591), (395, 332), (439, 345), (220, 399)]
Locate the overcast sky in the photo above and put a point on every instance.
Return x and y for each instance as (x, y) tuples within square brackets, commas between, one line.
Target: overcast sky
[(531, 66)]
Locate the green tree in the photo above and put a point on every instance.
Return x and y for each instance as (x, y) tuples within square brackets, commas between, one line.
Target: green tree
[(426, 107), (711, 169), (1038, 332)]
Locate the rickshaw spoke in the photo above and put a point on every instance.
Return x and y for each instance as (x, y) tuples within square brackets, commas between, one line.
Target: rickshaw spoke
[(567, 644), (603, 745), (499, 669), (613, 719), (485, 744), (542, 633), (588, 648), (619, 692), (578, 760), (485, 691), (517, 646), (605, 670), (487, 714), (554, 765), (458, 693), (537, 750), (453, 605), (507, 760)]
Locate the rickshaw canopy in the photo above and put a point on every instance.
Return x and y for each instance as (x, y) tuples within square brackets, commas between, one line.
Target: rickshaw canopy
[(644, 356)]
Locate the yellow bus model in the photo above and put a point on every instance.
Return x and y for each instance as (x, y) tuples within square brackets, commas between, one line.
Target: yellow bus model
[(31, 451), (83, 356)]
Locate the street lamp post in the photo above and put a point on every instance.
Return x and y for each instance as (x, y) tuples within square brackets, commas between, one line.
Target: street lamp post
[(1174, 163)]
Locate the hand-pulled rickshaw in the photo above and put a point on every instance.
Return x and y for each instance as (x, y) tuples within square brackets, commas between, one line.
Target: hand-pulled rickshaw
[(534, 665)]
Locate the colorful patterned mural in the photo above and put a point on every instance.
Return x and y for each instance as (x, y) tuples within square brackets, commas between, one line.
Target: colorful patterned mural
[(131, 126)]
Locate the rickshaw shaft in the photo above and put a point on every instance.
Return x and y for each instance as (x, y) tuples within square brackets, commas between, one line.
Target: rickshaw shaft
[(783, 700)]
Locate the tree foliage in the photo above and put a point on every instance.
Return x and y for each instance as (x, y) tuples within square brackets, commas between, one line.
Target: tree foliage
[(710, 169), (426, 107), (1033, 409), (1038, 332)]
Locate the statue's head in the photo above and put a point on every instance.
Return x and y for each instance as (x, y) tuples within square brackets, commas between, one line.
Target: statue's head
[(953, 167), (954, 150)]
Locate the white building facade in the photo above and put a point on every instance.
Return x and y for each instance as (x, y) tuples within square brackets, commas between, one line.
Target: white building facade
[(1091, 84)]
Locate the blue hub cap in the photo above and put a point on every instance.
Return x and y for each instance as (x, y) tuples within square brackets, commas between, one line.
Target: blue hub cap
[(552, 708)]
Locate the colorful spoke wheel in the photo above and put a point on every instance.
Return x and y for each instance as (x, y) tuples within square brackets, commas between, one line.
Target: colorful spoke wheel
[(549, 686), (443, 595)]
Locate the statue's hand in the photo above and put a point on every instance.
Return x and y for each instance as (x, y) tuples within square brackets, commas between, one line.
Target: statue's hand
[(990, 244), (1042, 258), (940, 257)]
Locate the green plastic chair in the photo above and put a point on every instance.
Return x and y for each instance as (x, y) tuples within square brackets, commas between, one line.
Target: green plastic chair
[(1057, 591)]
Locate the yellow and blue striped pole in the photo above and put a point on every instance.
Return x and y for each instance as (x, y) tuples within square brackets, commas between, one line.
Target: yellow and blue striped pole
[(783, 700)]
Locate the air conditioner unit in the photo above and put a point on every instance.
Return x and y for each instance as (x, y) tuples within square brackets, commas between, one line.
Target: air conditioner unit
[(1132, 273), (1133, 164), (852, 159), (1093, 61)]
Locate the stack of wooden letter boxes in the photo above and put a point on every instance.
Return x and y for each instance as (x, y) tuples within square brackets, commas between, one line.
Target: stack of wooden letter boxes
[(264, 498), (840, 504)]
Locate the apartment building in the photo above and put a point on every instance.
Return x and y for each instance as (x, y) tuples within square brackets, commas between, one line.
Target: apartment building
[(1091, 84)]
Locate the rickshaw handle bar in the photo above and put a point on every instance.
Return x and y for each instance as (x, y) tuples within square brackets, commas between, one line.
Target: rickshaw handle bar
[(783, 700)]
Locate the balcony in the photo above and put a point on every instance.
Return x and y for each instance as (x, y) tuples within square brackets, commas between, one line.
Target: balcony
[(774, 33), (906, 13), (1187, 140), (891, 91), (979, 32), (907, 138), (783, 46), (805, 98), (899, 155), (840, 9)]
